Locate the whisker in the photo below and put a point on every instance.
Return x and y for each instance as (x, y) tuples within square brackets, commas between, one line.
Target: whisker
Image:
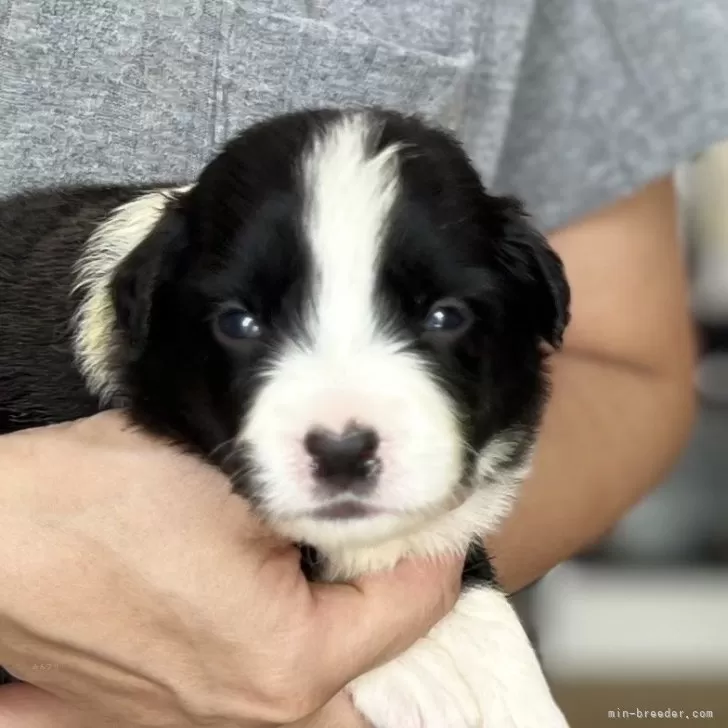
[(221, 445)]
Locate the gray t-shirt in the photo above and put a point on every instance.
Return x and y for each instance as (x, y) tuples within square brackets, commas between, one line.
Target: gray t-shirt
[(567, 103)]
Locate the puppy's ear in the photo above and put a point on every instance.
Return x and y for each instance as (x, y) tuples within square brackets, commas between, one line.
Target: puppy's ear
[(526, 257), (140, 274)]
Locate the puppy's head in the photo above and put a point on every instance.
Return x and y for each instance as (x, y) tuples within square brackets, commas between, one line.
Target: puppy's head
[(339, 315)]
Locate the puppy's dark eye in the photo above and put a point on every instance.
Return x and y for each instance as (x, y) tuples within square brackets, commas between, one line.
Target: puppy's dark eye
[(448, 315), (236, 323)]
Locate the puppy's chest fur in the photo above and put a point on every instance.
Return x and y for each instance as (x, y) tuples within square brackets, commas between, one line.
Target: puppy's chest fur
[(477, 569)]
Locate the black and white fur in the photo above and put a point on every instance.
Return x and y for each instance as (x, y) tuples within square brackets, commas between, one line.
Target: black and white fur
[(330, 272)]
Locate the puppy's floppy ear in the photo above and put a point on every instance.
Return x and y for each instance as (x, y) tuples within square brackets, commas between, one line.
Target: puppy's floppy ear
[(526, 257), (140, 274)]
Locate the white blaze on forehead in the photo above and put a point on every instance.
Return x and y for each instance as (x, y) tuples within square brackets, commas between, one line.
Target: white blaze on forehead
[(349, 193)]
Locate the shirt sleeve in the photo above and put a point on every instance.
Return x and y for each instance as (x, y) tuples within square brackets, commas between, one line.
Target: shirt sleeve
[(610, 95)]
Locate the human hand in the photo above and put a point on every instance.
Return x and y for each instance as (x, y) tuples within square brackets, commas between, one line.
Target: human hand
[(145, 594)]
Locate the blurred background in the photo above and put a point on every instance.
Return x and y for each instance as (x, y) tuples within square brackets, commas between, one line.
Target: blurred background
[(641, 621)]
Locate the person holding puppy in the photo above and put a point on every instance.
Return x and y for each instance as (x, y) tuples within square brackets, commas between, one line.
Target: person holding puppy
[(571, 108)]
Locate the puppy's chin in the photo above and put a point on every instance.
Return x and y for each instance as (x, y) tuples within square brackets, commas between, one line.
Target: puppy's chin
[(350, 525)]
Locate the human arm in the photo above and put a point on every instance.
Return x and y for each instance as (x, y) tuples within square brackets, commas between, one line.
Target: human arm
[(156, 599), (622, 401)]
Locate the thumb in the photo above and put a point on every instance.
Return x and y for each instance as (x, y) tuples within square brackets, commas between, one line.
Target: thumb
[(23, 705), (373, 620)]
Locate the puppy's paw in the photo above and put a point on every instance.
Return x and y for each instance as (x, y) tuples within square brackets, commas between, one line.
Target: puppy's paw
[(476, 669)]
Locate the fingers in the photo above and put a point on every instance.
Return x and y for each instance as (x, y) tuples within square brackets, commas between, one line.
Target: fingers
[(368, 623)]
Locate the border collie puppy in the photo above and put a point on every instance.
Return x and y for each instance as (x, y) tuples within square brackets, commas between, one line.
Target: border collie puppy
[(338, 315)]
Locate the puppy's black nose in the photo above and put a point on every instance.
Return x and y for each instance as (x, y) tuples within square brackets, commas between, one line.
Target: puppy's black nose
[(343, 459)]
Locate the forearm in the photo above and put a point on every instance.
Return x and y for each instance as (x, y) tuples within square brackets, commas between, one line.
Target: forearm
[(610, 434)]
